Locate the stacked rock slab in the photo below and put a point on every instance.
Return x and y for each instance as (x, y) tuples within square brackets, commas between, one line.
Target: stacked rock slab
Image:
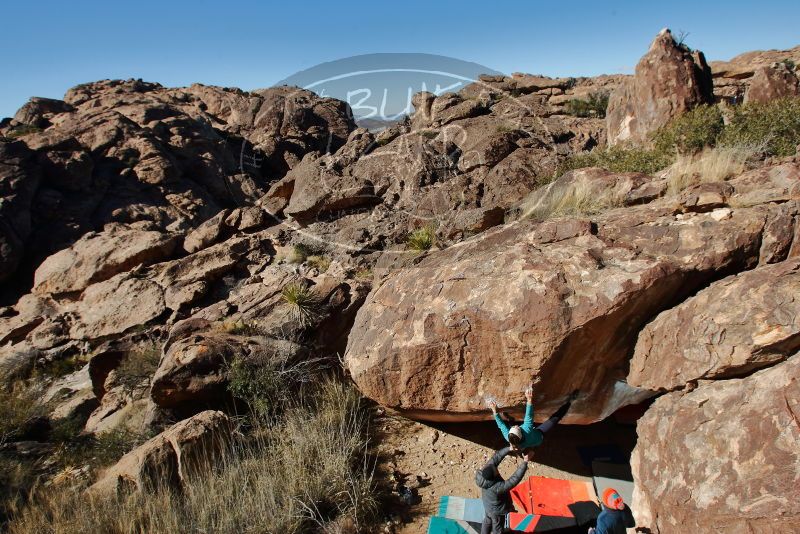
[(669, 80)]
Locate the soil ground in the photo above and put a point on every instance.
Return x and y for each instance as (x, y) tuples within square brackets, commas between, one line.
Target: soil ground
[(441, 459)]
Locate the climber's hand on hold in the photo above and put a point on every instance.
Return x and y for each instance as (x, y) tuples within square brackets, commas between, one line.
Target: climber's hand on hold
[(493, 406), (529, 393)]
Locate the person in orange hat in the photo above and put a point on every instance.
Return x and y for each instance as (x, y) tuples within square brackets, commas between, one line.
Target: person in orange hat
[(615, 517)]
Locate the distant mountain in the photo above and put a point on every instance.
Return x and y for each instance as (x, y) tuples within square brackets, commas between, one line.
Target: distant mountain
[(375, 125)]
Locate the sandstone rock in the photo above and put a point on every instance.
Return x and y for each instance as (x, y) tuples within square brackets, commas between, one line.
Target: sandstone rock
[(522, 171), (208, 233), (208, 264), (37, 110), (470, 222), (130, 152), (99, 256), (734, 326), (319, 189), (723, 458), (705, 197), (112, 307), (458, 332), (771, 82), (487, 151), (527, 83), (117, 411), (732, 78), (422, 103), (27, 314), (169, 458), (669, 80)]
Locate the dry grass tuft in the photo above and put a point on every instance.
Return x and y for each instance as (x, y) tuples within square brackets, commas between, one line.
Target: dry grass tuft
[(578, 197), (308, 472), (710, 165)]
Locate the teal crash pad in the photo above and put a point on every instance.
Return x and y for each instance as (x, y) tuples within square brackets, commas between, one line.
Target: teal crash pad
[(443, 525)]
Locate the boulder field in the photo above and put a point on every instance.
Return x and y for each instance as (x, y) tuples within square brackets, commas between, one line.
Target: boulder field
[(151, 236)]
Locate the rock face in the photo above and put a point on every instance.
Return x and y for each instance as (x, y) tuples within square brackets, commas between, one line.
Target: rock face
[(771, 82), (723, 458), (736, 325), (669, 80), (733, 78), (99, 256), (166, 460), (436, 339), (136, 153)]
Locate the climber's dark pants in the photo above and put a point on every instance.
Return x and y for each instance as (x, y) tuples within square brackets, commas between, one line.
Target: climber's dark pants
[(555, 418), (493, 524)]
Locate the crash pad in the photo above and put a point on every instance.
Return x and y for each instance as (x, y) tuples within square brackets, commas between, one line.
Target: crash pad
[(551, 496), (515, 522), (539, 523), (443, 525), (461, 508), (613, 475)]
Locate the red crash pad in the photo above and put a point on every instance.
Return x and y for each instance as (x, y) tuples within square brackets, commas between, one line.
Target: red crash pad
[(551, 496)]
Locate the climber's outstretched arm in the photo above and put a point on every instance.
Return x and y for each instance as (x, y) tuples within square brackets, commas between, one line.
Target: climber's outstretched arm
[(527, 424), (500, 423)]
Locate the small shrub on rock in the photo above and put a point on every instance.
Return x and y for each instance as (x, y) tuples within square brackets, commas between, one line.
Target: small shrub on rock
[(23, 130), (619, 159), (594, 106), (302, 251), (20, 407)]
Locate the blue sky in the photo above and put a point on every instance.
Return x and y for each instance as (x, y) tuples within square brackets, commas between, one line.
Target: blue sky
[(49, 46)]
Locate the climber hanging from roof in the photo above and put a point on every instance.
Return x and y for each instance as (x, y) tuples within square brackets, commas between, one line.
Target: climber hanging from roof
[(525, 436)]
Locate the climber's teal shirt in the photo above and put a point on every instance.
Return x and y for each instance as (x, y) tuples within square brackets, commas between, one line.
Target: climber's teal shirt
[(530, 436)]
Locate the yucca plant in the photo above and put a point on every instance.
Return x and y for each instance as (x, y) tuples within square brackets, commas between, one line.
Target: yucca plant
[(421, 239), (303, 301)]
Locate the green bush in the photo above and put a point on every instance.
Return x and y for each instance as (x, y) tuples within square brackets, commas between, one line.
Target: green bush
[(60, 367), (594, 106), (619, 159), (267, 382), (773, 127), (690, 132)]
